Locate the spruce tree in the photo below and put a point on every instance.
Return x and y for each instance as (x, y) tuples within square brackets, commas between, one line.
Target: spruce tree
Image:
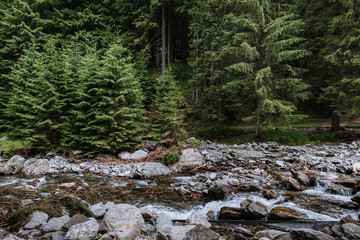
[(269, 38), (115, 113), (168, 121)]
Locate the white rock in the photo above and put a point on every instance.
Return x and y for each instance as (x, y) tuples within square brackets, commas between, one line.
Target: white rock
[(37, 219), (197, 218), (124, 219), (125, 156), (83, 231), (98, 209), (36, 166), (14, 165), (109, 205), (139, 154), (174, 232), (189, 160)]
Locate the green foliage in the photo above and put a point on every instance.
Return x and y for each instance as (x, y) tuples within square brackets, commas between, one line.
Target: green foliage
[(168, 123), (13, 147), (171, 158), (322, 137), (288, 137)]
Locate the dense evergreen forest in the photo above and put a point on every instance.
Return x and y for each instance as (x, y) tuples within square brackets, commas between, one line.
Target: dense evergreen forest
[(101, 75)]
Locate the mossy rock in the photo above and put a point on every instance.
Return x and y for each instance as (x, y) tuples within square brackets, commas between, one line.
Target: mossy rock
[(52, 205)]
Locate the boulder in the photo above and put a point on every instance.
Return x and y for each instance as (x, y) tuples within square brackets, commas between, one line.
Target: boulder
[(138, 154), (14, 165), (152, 169), (55, 224), (272, 234), (76, 219), (174, 232), (215, 192), (248, 210), (200, 232), (285, 213), (83, 231), (124, 156), (197, 218), (189, 160), (352, 230), (256, 210), (125, 220), (231, 213), (98, 210), (302, 177), (293, 184), (309, 234), (36, 166), (109, 205), (36, 220)]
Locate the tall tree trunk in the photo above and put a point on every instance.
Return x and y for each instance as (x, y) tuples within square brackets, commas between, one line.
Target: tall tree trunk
[(157, 54), (258, 121), (221, 115), (163, 42), (169, 41), (335, 122)]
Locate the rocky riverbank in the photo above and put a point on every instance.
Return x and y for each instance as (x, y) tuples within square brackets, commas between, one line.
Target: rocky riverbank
[(263, 182)]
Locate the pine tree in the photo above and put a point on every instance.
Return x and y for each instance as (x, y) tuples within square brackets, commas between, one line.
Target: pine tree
[(269, 50), (115, 113), (168, 124)]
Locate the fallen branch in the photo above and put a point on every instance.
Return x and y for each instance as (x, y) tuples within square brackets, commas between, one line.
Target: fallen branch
[(199, 168)]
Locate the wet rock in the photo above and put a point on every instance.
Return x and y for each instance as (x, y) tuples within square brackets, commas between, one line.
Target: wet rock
[(14, 165), (272, 234), (163, 221), (337, 231), (98, 210), (293, 184), (148, 216), (126, 220), (174, 232), (83, 231), (58, 235), (301, 177), (285, 213), (36, 167), (36, 220), (76, 219), (335, 188), (256, 210), (352, 230), (350, 205), (244, 231), (138, 154), (197, 218), (55, 224), (12, 237), (200, 232), (189, 160), (231, 213), (356, 198), (270, 194), (215, 192), (309, 234), (349, 220)]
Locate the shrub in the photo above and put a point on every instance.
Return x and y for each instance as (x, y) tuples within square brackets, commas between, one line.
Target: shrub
[(171, 158)]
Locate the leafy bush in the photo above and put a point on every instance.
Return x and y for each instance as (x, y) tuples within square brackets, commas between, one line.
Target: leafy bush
[(171, 158)]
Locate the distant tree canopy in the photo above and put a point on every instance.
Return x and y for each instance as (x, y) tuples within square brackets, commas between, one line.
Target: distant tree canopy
[(100, 75)]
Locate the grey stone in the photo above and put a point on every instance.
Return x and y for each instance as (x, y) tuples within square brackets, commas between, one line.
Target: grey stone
[(148, 228), (174, 232), (14, 165), (126, 220), (309, 234), (12, 237), (163, 220), (58, 235), (106, 236), (76, 219), (190, 140), (215, 192), (200, 232), (189, 160), (36, 220), (352, 230), (83, 231), (197, 218), (139, 154), (109, 205), (55, 224), (125, 156), (98, 209), (36, 167), (270, 233)]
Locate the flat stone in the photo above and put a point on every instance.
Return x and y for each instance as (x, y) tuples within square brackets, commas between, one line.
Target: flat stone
[(55, 224), (36, 220), (139, 154)]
